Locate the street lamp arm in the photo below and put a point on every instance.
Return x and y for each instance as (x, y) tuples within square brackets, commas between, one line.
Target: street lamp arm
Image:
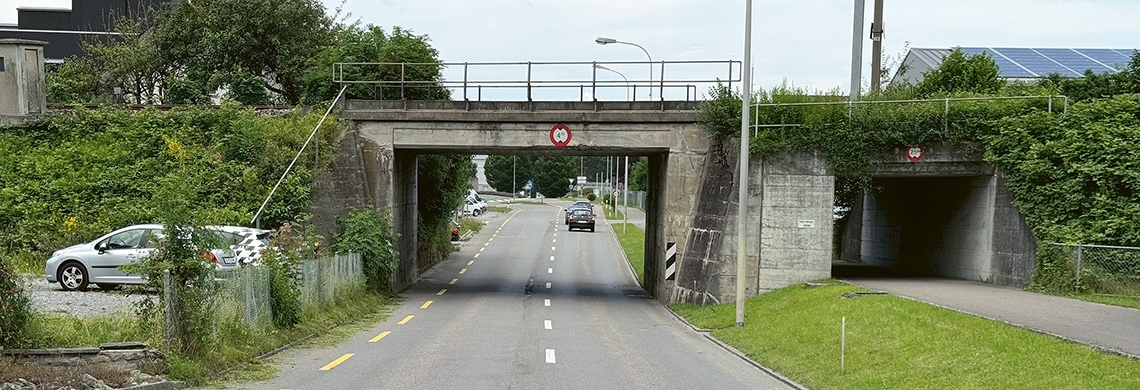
[(650, 65)]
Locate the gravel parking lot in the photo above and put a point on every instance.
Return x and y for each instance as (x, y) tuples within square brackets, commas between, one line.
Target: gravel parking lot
[(51, 298)]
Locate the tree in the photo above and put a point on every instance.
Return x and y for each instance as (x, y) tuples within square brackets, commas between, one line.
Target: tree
[(962, 73), (639, 175), (552, 175), (355, 44), (274, 39), (127, 61), (507, 173)]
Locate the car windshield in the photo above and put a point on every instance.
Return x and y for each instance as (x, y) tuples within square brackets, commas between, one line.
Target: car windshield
[(583, 213)]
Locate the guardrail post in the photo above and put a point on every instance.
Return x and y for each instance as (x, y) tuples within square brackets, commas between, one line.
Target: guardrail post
[(528, 73), (464, 81)]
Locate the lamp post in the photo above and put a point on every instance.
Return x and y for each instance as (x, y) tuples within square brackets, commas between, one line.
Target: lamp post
[(623, 78), (741, 225), (606, 41)]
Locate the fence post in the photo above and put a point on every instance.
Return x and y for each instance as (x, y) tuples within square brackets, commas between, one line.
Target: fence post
[(1079, 259), (168, 310), (250, 317)]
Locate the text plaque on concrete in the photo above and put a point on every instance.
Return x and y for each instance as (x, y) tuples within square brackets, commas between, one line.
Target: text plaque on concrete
[(806, 224)]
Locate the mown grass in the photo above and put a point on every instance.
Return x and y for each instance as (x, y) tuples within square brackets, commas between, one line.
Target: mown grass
[(498, 209), (632, 242), (613, 214), (234, 344), (895, 343)]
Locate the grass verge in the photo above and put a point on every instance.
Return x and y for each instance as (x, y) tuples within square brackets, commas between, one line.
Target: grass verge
[(234, 344), (1115, 300), (896, 343), (498, 209), (632, 242)]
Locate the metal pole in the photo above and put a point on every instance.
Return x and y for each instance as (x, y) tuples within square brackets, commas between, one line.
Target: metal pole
[(857, 51), (625, 196), (742, 206), (877, 47), (514, 177)]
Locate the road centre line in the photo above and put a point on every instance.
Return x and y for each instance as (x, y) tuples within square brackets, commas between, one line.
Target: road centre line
[(405, 320), (546, 303), (488, 243), (481, 249), (550, 270), (551, 248), (551, 258), (441, 292), (547, 284), (463, 271), (550, 356), (476, 255), (555, 240), (380, 336), (490, 239), (471, 262), (453, 281), (426, 304), (547, 325), (337, 362)]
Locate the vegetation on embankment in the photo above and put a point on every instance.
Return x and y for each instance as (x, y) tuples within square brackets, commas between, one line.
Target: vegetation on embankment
[(69, 177), (897, 343)]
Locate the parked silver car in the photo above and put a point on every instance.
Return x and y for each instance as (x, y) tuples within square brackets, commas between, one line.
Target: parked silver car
[(98, 261)]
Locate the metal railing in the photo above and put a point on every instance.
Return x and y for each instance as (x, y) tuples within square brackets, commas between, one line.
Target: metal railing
[(581, 76), (1103, 269), (244, 293)]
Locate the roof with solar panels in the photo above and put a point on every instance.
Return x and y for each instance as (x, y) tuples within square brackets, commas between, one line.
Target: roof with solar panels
[(1024, 64)]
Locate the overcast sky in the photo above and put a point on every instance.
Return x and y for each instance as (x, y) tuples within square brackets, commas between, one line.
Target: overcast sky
[(805, 42)]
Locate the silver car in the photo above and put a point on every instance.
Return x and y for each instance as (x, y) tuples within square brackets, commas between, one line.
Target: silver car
[(98, 261)]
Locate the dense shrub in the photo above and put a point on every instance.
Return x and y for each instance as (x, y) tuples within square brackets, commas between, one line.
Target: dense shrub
[(370, 233), (15, 309)]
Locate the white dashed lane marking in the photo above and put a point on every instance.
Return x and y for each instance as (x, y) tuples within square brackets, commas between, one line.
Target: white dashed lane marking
[(550, 356), (546, 302), (547, 325)]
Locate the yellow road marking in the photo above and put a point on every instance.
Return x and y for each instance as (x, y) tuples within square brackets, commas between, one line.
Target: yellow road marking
[(453, 281), (488, 243), (336, 362), (476, 255), (441, 292), (426, 304), (471, 262), (490, 239), (482, 249), (406, 319), (463, 271), (378, 337)]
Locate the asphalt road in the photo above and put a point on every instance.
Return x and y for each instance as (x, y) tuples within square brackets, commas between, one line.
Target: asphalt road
[(470, 324)]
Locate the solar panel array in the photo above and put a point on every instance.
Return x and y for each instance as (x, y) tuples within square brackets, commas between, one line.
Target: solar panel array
[(1033, 63)]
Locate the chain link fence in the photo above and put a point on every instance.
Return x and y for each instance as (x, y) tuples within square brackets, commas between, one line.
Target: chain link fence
[(1102, 269)]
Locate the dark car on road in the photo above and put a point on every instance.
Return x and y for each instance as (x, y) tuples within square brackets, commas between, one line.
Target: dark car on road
[(582, 219), (579, 205)]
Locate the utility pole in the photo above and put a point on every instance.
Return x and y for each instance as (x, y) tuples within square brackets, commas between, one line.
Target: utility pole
[(742, 201), (857, 50), (877, 47)]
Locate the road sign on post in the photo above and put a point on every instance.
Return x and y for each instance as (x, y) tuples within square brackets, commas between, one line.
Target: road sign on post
[(560, 135)]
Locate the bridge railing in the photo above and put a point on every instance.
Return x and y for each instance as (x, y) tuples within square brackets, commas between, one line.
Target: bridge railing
[(558, 81)]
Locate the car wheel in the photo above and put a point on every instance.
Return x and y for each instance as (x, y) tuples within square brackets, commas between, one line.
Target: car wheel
[(107, 286), (591, 230), (73, 277)]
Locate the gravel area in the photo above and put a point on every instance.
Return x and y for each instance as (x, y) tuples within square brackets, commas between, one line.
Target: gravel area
[(51, 298)]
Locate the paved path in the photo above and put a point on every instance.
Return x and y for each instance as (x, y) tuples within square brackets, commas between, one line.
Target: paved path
[(506, 312), (1112, 328)]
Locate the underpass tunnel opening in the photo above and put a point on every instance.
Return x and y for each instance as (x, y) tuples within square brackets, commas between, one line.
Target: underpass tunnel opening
[(427, 207), (919, 227)]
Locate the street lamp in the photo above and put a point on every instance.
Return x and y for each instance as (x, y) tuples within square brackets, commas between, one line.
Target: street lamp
[(623, 78), (605, 41), (742, 206)]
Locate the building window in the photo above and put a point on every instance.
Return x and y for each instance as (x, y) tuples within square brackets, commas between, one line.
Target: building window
[(1, 64)]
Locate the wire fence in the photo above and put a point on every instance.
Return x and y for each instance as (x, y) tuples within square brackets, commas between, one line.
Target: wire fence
[(244, 293), (1102, 269)]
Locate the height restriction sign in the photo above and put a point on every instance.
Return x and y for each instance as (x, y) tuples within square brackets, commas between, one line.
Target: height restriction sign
[(560, 135)]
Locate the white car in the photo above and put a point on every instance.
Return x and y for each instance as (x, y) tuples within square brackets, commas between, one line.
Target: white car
[(98, 261)]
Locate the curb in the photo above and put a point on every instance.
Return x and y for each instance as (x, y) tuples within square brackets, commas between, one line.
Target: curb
[(166, 385)]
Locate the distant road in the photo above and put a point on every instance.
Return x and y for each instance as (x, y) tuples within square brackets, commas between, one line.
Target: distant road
[(469, 324)]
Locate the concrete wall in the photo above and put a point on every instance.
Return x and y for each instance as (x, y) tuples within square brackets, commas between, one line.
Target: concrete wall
[(795, 193)]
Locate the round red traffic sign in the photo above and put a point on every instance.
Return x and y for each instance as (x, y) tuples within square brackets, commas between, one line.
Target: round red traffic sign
[(560, 135), (914, 153)]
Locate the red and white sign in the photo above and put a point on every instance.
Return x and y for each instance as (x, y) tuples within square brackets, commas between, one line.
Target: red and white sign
[(560, 135), (914, 153)]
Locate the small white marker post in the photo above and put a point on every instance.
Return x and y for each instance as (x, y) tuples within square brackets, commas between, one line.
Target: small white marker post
[(843, 345)]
